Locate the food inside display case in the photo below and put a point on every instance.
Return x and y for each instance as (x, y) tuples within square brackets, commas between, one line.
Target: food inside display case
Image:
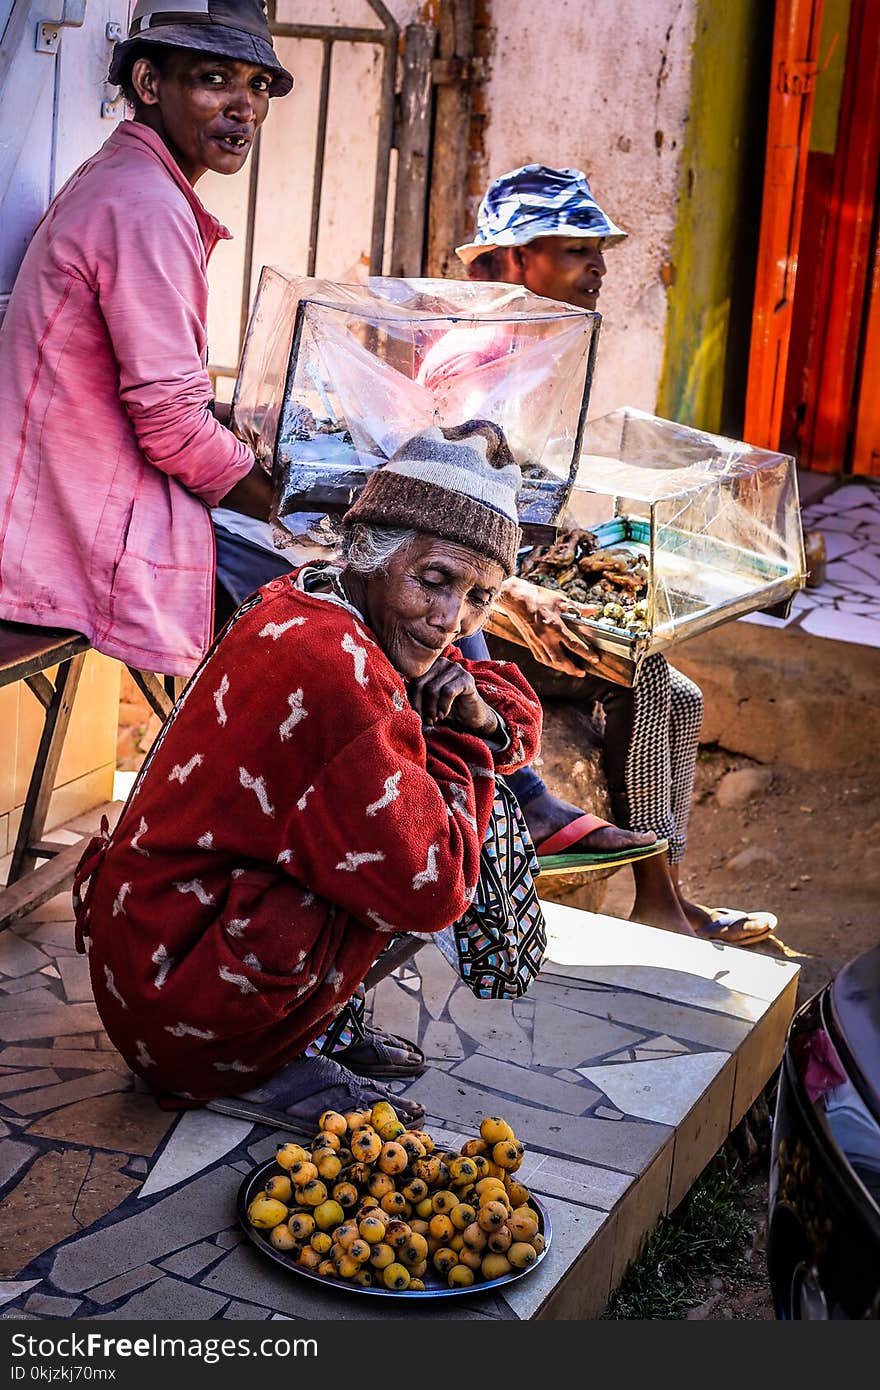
[(669, 531), (612, 579), (654, 530), (334, 378)]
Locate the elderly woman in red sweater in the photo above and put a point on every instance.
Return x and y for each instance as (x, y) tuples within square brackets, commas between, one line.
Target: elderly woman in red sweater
[(326, 780)]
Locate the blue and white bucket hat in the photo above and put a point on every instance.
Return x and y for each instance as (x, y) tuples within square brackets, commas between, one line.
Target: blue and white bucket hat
[(534, 201)]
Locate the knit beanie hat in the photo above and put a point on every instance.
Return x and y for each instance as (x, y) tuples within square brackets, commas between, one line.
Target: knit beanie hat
[(459, 483)]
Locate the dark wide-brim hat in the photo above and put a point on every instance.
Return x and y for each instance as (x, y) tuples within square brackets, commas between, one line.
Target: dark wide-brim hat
[(228, 28)]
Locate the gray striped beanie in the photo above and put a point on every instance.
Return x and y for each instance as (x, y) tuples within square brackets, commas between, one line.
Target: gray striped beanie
[(459, 483)]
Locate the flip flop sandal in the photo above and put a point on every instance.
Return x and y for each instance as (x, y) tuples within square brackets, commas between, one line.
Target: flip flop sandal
[(733, 927), (558, 854), (298, 1095), (383, 1055)]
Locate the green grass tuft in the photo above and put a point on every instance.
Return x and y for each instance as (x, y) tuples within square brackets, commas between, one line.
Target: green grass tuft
[(706, 1235)]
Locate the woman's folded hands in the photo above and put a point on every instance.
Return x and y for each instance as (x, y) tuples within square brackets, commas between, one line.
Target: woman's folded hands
[(448, 693)]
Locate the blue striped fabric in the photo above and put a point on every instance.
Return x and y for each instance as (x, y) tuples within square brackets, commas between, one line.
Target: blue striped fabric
[(534, 201)]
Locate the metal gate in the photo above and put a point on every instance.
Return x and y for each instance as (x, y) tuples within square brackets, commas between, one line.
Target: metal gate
[(313, 178)]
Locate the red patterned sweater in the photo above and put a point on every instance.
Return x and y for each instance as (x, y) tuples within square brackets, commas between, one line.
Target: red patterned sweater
[(290, 816)]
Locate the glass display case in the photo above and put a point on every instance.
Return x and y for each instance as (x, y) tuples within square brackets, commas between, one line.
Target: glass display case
[(335, 377), (669, 531)]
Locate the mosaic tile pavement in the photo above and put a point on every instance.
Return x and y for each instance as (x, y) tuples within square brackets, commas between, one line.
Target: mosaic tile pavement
[(846, 608), (623, 1070)]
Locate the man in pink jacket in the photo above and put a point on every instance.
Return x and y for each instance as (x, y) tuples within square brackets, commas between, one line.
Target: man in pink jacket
[(110, 454)]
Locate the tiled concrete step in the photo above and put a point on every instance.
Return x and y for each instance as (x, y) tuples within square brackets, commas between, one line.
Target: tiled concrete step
[(623, 1070)]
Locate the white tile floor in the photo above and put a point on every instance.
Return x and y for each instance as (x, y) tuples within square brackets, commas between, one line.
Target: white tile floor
[(846, 608)]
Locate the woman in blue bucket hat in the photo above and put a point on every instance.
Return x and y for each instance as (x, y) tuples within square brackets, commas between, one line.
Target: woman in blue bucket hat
[(542, 228), (545, 224)]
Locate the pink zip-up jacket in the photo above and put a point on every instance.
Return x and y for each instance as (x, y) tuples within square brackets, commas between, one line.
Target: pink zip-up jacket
[(110, 457)]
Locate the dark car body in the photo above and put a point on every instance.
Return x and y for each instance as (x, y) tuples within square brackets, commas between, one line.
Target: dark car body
[(823, 1240)]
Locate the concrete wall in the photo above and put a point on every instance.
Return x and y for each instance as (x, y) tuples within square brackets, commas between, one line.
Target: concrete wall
[(88, 762), (662, 104), (784, 696), (606, 90), (711, 276)]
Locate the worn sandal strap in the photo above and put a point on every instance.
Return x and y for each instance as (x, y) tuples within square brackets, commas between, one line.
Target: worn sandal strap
[(570, 834)]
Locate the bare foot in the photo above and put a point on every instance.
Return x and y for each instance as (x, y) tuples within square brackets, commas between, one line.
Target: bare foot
[(615, 837), (545, 814), (730, 926), (655, 914), (695, 915)]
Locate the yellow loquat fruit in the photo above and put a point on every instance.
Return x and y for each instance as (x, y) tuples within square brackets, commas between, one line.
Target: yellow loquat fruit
[(279, 1188), (494, 1266), (288, 1154), (266, 1212), (521, 1254), (493, 1128), (381, 1256), (333, 1122), (282, 1237), (396, 1276)]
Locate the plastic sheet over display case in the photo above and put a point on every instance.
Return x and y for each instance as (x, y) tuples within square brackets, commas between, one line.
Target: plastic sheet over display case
[(669, 531), (334, 378)]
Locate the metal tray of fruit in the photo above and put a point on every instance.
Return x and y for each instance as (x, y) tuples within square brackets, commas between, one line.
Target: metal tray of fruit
[(434, 1285)]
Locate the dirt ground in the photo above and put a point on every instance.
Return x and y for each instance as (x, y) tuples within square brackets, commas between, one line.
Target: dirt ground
[(744, 1296), (805, 846)]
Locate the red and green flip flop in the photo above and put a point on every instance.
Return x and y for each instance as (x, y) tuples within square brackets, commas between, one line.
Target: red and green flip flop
[(559, 853)]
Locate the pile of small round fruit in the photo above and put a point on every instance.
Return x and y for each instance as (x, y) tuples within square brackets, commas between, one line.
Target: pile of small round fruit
[(375, 1203)]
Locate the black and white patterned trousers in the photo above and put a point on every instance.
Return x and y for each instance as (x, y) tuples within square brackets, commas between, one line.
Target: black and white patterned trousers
[(650, 749)]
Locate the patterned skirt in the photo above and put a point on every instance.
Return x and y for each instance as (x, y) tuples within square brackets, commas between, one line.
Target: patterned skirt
[(498, 944)]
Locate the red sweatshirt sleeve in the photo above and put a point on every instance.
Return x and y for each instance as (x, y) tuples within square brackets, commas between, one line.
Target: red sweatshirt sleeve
[(392, 827), (504, 687)]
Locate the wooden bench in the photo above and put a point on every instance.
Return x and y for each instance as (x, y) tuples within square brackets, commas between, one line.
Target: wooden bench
[(26, 654)]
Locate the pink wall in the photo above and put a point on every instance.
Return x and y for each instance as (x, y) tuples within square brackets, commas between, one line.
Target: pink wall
[(583, 83)]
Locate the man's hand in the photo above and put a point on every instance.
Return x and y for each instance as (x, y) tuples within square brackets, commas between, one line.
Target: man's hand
[(448, 694), (251, 495), (538, 615)]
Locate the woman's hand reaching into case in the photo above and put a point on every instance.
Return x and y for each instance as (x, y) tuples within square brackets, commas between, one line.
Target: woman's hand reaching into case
[(448, 694), (539, 617)]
